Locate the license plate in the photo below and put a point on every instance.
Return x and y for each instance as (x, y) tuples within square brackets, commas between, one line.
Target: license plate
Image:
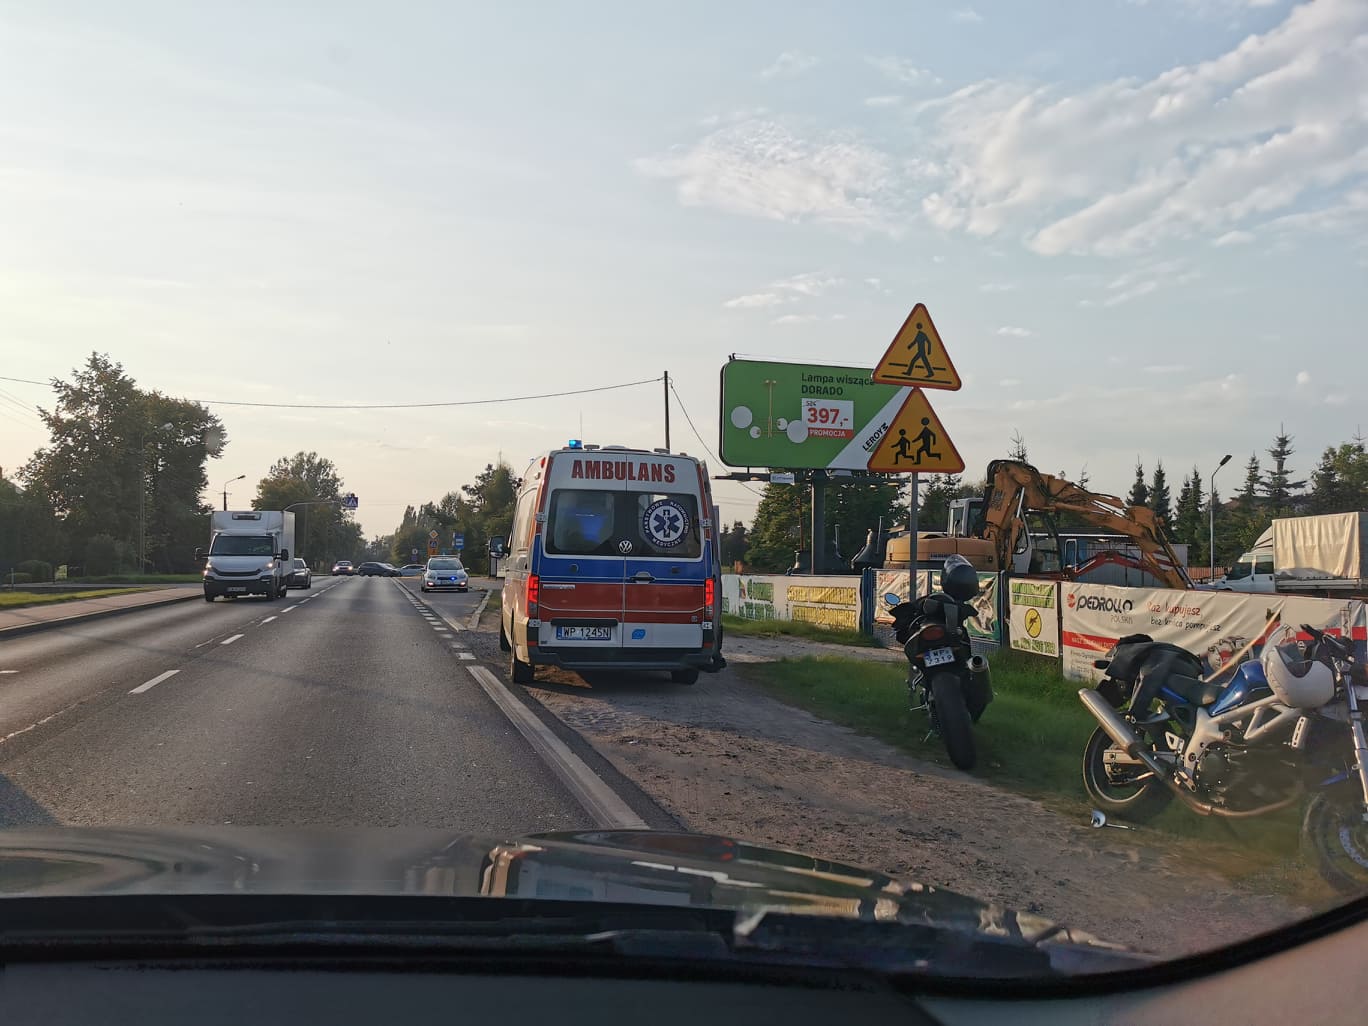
[(939, 656), (231, 590), (584, 634)]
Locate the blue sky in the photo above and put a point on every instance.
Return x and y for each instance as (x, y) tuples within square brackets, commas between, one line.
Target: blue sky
[(1140, 226)]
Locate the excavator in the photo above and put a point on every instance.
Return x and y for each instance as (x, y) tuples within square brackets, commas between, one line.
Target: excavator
[(1012, 527)]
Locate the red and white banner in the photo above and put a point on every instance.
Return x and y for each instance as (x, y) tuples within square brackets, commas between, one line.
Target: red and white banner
[(1223, 629)]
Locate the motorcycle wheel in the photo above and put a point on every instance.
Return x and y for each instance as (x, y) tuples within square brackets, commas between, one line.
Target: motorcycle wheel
[(1335, 836), (952, 720), (1139, 802)]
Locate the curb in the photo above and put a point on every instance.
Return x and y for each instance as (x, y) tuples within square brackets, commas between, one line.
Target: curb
[(67, 621), (474, 622)]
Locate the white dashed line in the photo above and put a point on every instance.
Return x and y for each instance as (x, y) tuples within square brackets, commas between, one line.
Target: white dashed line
[(289, 609), (149, 685), (268, 620), (229, 641), (470, 656), (9, 671)]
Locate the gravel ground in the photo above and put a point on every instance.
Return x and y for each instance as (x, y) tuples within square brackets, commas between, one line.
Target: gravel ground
[(724, 757)]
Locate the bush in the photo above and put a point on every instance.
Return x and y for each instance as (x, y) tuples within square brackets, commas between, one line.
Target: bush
[(100, 554), (37, 570), (16, 578)]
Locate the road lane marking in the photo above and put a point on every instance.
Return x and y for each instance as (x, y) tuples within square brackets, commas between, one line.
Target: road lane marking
[(149, 685), (269, 619), (602, 803), (470, 656), (289, 609), (229, 641), (9, 671)]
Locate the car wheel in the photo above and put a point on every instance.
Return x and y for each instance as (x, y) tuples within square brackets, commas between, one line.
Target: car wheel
[(208, 597), (519, 671), (684, 676), (504, 646)]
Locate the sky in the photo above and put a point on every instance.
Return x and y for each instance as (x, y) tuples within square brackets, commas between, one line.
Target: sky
[(1140, 226)]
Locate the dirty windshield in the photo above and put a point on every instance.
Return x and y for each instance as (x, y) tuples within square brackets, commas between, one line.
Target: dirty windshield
[(625, 379)]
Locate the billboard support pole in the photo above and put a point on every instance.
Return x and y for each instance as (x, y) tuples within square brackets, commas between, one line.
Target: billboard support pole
[(818, 565), (667, 411), (912, 536)]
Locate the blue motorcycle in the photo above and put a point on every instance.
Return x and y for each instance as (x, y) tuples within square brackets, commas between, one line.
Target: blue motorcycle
[(1285, 726)]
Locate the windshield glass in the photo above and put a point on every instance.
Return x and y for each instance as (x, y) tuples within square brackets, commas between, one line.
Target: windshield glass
[(707, 335), (243, 545)]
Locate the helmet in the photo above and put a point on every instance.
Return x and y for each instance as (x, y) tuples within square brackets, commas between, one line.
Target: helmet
[(959, 579), (1298, 682)]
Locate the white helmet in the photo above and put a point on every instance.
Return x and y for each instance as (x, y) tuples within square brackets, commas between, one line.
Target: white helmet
[(1299, 683)]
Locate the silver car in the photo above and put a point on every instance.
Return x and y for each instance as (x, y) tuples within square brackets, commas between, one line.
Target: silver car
[(445, 573)]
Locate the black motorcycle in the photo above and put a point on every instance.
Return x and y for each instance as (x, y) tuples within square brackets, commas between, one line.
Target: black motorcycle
[(944, 677)]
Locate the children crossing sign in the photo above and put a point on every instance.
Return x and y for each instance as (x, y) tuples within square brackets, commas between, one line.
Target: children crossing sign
[(917, 356), (915, 442)]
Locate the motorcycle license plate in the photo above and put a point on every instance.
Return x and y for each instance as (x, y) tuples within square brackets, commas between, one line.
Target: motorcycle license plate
[(939, 656)]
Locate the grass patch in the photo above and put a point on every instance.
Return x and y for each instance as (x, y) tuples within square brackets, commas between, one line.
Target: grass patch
[(1031, 741), (138, 579), (794, 629), (495, 602), (15, 599)]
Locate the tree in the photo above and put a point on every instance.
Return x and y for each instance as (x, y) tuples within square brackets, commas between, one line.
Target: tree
[(1281, 492), (1018, 450), (1247, 520), (734, 544), (121, 459), (1139, 493), (1339, 483), (1159, 494), (779, 527), (28, 527), (1190, 524), (324, 531)]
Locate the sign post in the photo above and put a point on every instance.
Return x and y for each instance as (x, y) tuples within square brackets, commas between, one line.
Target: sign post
[(916, 357)]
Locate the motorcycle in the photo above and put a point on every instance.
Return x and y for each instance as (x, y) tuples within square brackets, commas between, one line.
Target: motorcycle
[(944, 677), (1285, 726)]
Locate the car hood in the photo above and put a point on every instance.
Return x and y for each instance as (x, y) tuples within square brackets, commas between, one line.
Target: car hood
[(624, 867)]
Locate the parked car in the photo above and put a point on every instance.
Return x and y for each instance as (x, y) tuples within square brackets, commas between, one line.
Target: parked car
[(300, 576), (445, 572), (373, 569), (411, 570), (343, 567)]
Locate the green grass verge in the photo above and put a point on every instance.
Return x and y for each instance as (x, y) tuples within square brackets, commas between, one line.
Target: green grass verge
[(14, 599), (793, 629), (495, 602), (1031, 740), (136, 579)]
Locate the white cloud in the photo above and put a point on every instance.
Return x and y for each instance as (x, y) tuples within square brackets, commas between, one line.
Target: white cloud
[(1198, 149), (1303, 378), (1166, 368), (902, 70), (754, 301), (1015, 332), (1336, 399), (795, 319), (1009, 382), (790, 64), (998, 286), (759, 168), (882, 101), (1235, 238), (966, 16)]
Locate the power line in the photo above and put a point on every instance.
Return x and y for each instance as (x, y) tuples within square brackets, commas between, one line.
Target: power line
[(26, 381), (684, 410)]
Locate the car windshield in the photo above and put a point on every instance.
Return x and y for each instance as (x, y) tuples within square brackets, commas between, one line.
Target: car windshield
[(243, 545), (707, 334)]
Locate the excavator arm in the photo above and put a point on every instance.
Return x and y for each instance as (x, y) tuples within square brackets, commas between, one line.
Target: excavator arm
[(1015, 489)]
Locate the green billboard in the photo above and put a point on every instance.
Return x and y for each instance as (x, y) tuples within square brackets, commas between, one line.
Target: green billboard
[(799, 416)]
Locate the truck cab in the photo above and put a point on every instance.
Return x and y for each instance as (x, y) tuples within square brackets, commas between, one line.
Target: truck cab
[(1253, 572), (249, 554)]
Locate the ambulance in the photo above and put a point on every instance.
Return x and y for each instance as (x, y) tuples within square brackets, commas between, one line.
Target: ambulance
[(612, 564)]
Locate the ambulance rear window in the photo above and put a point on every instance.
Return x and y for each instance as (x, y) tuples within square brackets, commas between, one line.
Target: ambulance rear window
[(603, 522), (582, 523)]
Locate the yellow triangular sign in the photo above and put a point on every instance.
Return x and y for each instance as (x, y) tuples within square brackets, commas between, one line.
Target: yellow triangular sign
[(915, 443), (917, 356)]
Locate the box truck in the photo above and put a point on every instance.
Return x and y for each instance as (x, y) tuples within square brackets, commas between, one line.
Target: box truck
[(249, 553)]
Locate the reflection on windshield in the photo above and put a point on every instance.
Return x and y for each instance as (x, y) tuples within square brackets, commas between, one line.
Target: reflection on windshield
[(243, 545), (445, 564)]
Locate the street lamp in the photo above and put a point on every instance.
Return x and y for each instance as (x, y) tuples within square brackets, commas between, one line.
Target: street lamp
[(1211, 502), (142, 496), (225, 489)]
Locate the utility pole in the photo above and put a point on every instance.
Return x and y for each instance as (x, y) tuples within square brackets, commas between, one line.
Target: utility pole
[(912, 538), (667, 410)]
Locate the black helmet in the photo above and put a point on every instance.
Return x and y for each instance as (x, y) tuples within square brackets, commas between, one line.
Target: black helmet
[(959, 579)]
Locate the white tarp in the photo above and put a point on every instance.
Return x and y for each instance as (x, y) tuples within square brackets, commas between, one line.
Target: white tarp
[(1223, 629), (1316, 548), (1033, 616)]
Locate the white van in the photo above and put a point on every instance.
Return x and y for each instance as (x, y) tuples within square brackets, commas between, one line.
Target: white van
[(612, 564)]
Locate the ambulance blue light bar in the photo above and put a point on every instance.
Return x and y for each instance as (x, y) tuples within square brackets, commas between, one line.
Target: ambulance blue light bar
[(574, 443)]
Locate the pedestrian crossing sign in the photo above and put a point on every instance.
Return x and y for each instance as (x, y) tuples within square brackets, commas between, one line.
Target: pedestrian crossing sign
[(915, 442), (917, 356)]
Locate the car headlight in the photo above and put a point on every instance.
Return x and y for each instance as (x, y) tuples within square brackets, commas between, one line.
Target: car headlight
[(208, 569), (271, 565)]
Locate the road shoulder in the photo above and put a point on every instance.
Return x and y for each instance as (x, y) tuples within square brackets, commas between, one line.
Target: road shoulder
[(26, 619)]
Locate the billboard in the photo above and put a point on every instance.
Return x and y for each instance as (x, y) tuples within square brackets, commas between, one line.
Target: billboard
[(798, 416), (1033, 616)]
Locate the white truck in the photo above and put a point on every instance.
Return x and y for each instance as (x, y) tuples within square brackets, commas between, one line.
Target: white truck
[(1322, 556), (249, 553)]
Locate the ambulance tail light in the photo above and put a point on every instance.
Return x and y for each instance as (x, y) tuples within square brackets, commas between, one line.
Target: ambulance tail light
[(533, 594), (709, 597)]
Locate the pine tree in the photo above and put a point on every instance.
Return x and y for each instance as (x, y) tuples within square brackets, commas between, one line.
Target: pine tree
[(1159, 500), (1249, 518), (1018, 451), (1339, 483), (1190, 519), (1139, 493), (1279, 489)]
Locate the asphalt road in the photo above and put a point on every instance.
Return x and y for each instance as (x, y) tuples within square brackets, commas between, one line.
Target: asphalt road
[(341, 706)]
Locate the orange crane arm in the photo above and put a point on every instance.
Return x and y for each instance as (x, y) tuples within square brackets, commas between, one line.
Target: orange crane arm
[(1016, 488)]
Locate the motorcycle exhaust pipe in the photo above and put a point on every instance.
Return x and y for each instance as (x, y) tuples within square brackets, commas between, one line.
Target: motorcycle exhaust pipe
[(977, 664), (1119, 732)]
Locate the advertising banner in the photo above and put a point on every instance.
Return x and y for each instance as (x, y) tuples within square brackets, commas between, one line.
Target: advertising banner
[(1222, 629), (1033, 616), (890, 587), (829, 601)]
